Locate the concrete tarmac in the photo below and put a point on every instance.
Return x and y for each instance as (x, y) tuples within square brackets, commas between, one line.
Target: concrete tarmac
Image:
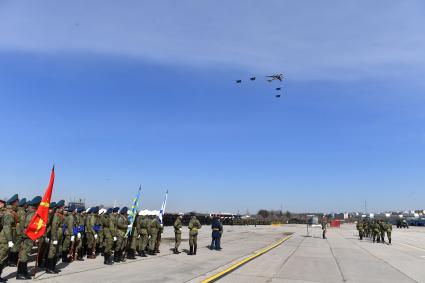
[(302, 258)]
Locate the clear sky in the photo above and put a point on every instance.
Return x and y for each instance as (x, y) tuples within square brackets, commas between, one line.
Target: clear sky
[(123, 93)]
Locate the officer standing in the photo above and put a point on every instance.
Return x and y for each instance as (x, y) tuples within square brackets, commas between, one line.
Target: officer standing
[(194, 226), (9, 222), (27, 243), (217, 230), (56, 237), (382, 228), (178, 233), (91, 233)]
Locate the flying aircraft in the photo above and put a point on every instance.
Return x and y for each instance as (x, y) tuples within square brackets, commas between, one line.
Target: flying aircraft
[(238, 81), (252, 79), (278, 88), (275, 77)]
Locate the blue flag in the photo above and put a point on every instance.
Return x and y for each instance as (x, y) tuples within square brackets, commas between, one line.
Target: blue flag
[(133, 212), (162, 211)]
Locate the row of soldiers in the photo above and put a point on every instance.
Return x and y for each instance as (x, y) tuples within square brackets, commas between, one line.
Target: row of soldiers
[(73, 233), (374, 229)]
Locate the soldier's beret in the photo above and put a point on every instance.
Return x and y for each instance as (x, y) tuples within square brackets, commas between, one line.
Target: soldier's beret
[(95, 209), (22, 202), (80, 209), (35, 201), (124, 210), (53, 204), (60, 203), (13, 199), (71, 208), (116, 209), (109, 211)]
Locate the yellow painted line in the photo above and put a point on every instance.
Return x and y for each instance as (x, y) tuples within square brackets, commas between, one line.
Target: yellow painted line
[(242, 262)]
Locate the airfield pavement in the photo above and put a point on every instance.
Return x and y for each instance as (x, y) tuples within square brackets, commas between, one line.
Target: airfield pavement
[(340, 258)]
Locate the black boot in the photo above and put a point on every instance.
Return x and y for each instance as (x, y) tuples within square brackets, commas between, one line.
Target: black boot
[(51, 266), (116, 257), (13, 259), (131, 255), (105, 258), (19, 273), (194, 249), (191, 251), (143, 254), (65, 257), (1, 279), (23, 271), (54, 262), (175, 251)]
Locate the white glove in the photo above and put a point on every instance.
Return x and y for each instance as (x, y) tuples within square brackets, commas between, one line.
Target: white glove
[(55, 243), (138, 237), (47, 240), (115, 239), (130, 226), (180, 229), (95, 236), (79, 235), (72, 238), (10, 244)]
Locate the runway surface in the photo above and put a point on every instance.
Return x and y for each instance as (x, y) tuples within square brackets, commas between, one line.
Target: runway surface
[(302, 258)]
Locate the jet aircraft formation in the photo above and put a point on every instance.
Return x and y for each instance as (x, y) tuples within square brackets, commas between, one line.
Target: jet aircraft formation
[(271, 78)]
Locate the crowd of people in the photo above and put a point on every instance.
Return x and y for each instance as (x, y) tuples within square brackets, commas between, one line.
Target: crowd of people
[(376, 230), (73, 233)]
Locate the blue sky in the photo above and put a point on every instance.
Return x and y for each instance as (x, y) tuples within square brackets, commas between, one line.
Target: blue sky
[(129, 93)]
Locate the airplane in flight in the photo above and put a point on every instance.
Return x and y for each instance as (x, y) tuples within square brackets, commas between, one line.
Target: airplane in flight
[(275, 77)]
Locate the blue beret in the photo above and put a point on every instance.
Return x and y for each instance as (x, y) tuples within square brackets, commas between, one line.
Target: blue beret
[(80, 209), (52, 204), (109, 211), (116, 209), (22, 202), (60, 203), (124, 210), (13, 199), (95, 209), (71, 208), (35, 201)]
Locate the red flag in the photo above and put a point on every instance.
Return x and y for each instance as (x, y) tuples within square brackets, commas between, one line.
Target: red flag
[(37, 225)]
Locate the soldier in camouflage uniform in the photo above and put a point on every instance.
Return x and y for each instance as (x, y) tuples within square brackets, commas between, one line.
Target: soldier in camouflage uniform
[(109, 234), (101, 240), (121, 244), (359, 227), (177, 233), (27, 243), (134, 242), (382, 228), (80, 224), (56, 236), (8, 227), (91, 233), (324, 224), (389, 229), (68, 231), (375, 232), (194, 226), (153, 233), (158, 237), (21, 211), (142, 226)]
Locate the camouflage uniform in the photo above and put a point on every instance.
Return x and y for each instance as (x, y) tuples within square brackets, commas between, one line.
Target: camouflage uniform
[(389, 229), (194, 226), (177, 234), (108, 226), (360, 229), (91, 234), (68, 232), (142, 226), (56, 236), (153, 233), (26, 247), (8, 227), (122, 224)]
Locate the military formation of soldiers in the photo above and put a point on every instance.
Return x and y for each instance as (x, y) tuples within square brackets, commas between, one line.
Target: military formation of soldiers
[(374, 230), (74, 233)]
